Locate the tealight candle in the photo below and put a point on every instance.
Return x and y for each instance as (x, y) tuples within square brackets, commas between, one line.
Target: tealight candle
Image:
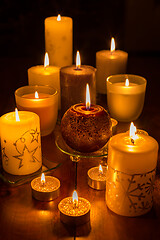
[(125, 96), (73, 80), (97, 177), (45, 188), (74, 210), (20, 142), (45, 75), (58, 40), (42, 100), (109, 62), (132, 161)]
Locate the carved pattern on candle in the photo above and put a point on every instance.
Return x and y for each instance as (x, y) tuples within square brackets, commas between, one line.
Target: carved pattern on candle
[(4, 155)]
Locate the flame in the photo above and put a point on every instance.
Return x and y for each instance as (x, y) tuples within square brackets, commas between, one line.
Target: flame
[(59, 17), (132, 132), (46, 60), (43, 180), (75, 198), (88, 100), (127, 82), (17, 115), (112, 45), (78, 60), (100, 169), (36, 94)]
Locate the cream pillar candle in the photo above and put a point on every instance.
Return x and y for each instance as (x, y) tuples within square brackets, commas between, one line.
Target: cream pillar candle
[(109, 62), (58, 40), (125, 100), (131, 172), (21, 143), (45, 75)]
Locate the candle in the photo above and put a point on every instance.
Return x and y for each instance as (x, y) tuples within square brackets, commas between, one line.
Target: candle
[(73, 80), (74, 210), (114, 125), (97, 177), (132, 161), (86, 128), (58, 40), (125, 99), (109, 62), (45, 105), (45, 75), (45, 188), (20, 143)]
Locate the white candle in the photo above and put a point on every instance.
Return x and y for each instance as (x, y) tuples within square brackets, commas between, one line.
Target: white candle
[(125, 101), (45, 75), (21, 143), (109, 62), (58, 40), (131, 171)]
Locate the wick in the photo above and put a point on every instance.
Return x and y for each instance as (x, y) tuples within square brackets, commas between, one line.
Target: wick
[(132, 140), (43, 183)]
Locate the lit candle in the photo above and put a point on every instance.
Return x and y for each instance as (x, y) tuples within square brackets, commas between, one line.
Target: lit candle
[(73, 80), (132, 161), (74, 210), (45, 188), (86, 128), (97, 177), (45, 75), (58, 40), (125, 99), (45, 105), (109, 62), (20, 143)]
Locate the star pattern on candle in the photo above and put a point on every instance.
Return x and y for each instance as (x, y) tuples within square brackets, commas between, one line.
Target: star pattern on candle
[(35, 134), (4, 156)]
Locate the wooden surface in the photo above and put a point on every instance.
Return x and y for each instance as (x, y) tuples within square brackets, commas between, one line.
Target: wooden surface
[(22, 217)]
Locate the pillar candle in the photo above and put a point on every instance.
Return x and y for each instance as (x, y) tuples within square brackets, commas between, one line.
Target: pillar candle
[(21, 143), (130, 175), (58, 40), (109, 62)]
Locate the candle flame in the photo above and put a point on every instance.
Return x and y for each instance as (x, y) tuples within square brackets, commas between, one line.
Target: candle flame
[(36, 94), (46, 60), (112, 45), (78, 60), (43, 180), (17, 115), (75, 198), (127, 82), (88, 100), (100, 169), (132, 132), (59, 17)]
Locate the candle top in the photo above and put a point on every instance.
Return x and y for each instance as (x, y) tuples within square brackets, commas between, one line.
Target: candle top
[(95, 174), (40, 96), (52, 19), (51, 184), (41, 70), (24, 116), (112, 55), (80, 108), (83, 70)]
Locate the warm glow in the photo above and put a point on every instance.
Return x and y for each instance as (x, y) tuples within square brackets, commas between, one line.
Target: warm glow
[(100, 169), (112, 45), (17, 115), (78, 60), (132, 132), (59, 17), (46, 60), (36, 94), (127, 82), (75, 198), (43, 178), (88, 100)]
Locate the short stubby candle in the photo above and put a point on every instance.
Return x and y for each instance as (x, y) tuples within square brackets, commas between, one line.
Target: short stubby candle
[(21, 143), (125, 96), (109, 62), (97, 177), (45, 75), (73, 80), (42, 100), (59, 40), (45, 188), (131, 172), (74, 210)]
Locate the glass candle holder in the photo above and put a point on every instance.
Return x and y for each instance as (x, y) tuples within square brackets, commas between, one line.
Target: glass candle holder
[(45, 105), (125, 101)]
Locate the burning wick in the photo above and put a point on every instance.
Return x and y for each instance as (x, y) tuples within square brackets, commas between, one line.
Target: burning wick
[(59, 17), (43, 179), (132, 133), (17, 115), (100, 170), (112, 45), (46, 60), (75, 199), (78, 61), (88, 101)]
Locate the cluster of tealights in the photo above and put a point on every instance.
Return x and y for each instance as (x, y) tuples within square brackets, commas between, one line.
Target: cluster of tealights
[(132, 156)]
